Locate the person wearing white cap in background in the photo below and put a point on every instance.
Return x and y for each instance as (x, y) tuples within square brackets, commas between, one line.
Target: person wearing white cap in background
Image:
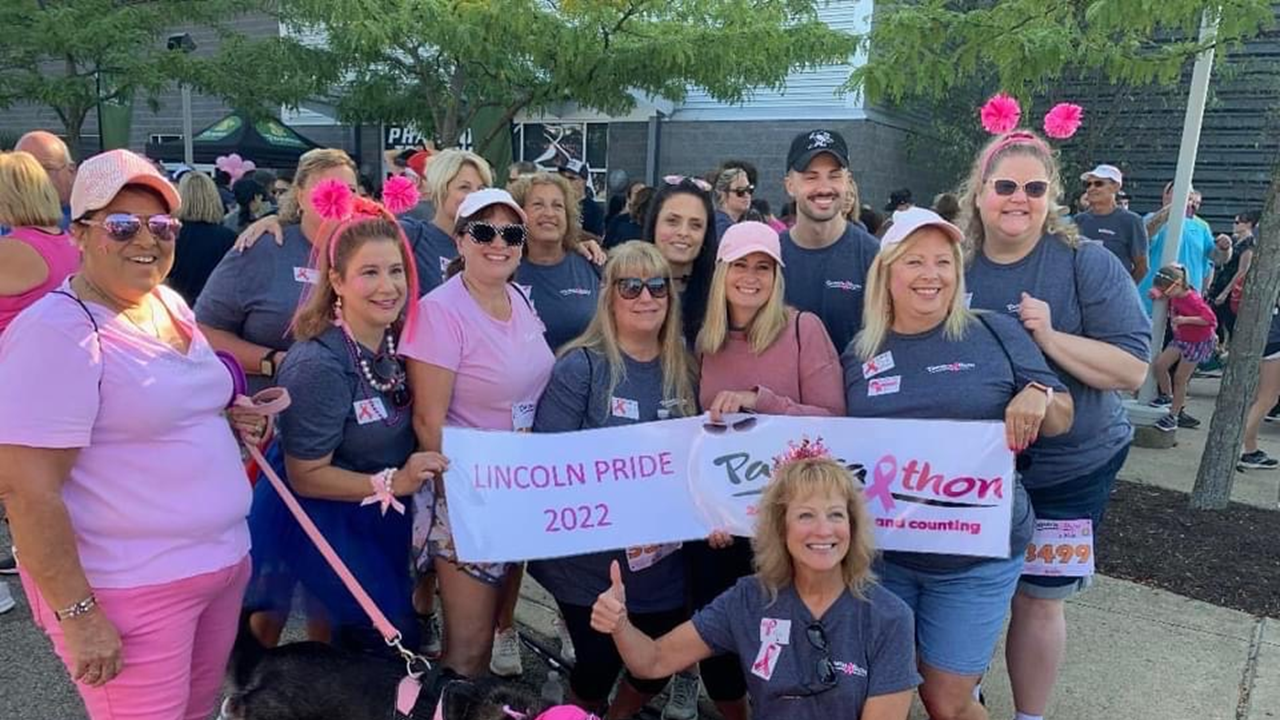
[(923, 354), (477, 359), (1122, 231), (118, 466)]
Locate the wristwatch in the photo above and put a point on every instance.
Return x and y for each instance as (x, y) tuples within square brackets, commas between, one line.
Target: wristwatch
[(1048, 391), (267, 366)]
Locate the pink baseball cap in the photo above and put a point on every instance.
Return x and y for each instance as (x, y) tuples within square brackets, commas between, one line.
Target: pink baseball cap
[(481, 199), (908, 221), (100, 178), (744, 238)]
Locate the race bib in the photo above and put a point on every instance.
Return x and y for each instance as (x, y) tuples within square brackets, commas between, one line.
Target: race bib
[(1061, 548), (522, 415), (371, 410), (878, 364), (643, 558), (766, 660), (306, 275), (775, 630), (624, 408), (884, 385)]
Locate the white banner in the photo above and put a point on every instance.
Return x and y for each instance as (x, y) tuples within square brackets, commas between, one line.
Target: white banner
[(931, 485)]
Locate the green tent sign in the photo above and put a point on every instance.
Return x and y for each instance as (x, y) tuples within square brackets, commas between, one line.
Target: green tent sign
[(222, 129), (279, 135)]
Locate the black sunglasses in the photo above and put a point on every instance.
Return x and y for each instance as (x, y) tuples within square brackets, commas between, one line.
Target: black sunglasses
[(630, 288), (1034, 189), (744, 191), (484, 233), (1095, 183), (720, 428), (390, 370), (122, 227), (826, 669)]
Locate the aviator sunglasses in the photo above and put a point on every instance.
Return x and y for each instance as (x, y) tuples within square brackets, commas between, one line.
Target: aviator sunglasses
[(122, 227), (1034, 189), (484, 233), (630, 288)]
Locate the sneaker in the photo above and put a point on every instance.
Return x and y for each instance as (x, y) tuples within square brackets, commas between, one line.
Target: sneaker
[(8, 564), (566, 642), (1186, 421), (1259, 460), (1272, 416), (432, 636), (1162, 401), (6, 599), (506, 654), (682, 702), (1167, 424)]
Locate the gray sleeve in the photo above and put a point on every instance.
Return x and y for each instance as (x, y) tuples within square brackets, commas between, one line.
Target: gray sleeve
[(1028, 361), (1139, 243), (313, 424), (714, 622), (221, 304), (564, 403), (1110, 308), (892, 656)]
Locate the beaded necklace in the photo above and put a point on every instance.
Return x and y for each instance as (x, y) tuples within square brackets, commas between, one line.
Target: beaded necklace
[(393, 388)]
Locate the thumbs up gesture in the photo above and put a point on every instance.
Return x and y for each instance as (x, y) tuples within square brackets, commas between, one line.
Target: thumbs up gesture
[(609, 615)]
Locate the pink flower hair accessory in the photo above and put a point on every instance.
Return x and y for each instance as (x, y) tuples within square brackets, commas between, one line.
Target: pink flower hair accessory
[(1000, 114), (333, 200), (806, 449), (399, 194), (1063, 120)]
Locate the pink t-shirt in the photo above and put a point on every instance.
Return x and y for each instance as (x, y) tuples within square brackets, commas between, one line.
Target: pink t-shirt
[(1192, 305), (500, 367), (58, 252), (157, 492)]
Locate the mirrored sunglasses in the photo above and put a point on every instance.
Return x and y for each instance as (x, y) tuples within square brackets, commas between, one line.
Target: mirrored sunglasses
[(630, 288), (122, 227), (485, 233)]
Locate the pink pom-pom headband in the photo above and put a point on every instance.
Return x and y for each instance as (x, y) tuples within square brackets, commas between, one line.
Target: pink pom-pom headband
[(1000, 115)]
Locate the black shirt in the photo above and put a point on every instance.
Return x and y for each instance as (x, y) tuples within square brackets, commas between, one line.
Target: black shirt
[(200, 248)]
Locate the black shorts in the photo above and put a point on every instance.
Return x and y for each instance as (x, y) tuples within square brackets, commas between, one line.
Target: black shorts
[(598, 662)]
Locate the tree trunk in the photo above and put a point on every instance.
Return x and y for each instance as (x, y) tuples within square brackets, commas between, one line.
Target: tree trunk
[(1239, 382), (73, 123)]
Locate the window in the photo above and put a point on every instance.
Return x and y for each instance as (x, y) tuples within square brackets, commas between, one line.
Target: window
[(549, 145)]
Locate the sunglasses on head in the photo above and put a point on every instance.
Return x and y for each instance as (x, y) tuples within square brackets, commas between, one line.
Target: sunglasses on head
[(744, 191), (699, 183), (1034, 189), (484, 233), (630, 288), (122, 227)]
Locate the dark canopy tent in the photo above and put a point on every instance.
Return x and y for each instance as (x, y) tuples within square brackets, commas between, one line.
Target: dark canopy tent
[(269, 143)]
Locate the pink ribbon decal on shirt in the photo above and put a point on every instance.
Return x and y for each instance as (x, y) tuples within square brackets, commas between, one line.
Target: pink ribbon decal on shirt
[(382, 493), (881, 487)]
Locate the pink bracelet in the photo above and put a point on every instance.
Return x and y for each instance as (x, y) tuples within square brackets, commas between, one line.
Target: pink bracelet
[(381, 483)]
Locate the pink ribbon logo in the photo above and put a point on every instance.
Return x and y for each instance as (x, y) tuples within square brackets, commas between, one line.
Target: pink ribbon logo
[(881, 487)]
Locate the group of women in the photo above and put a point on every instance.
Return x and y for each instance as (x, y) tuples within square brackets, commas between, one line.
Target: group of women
[(381, 351)]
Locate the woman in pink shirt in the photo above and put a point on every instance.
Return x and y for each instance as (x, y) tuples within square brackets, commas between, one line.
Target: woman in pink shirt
[(477, 359), (36, 256), (118, 467), (755, 354)]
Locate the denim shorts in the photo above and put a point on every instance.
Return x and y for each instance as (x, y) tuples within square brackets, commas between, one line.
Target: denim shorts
[(1080, 497), (959, 613)]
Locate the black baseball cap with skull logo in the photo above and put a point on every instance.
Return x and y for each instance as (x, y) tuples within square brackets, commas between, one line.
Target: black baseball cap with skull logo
[(808, 145)]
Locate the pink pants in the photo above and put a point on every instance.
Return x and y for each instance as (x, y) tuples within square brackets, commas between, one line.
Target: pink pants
[(177, 638)]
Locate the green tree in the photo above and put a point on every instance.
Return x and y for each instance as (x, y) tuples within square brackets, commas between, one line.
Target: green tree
[(438, 63), (72, 55)]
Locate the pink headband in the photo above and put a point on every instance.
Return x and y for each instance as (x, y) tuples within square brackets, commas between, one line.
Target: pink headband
[(1000, 115), (1017, 137)]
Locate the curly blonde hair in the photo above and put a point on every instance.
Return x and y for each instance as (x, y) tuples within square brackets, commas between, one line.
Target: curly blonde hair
[(572, 203), (801, 479)]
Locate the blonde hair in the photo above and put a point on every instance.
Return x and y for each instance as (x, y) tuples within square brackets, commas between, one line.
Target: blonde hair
[(446, 165), (640, 258), (29, 198), (310, 164), (572, 203), (724, 181), (794, 481), (989, 157), (877, 308), (315, 314), (765, 327), (200, 199)]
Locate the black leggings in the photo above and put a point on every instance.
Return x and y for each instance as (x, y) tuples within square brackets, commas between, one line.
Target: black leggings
[(598, 662), (711, 572)]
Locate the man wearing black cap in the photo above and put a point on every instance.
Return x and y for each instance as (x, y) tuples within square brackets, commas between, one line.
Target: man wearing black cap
[(579, 174), (826, 257), (899, 200)]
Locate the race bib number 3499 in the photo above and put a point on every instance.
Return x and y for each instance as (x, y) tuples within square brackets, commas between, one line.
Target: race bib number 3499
[(1062, 548)]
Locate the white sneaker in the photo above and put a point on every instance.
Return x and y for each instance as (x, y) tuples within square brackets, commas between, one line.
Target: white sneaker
[(6, 598), (505, 661), (682, 702), (566, 642), (432, 636)]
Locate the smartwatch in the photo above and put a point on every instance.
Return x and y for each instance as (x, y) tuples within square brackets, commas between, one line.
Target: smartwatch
[(267, 366)]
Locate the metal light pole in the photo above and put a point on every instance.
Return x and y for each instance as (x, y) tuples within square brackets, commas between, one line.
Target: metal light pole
[(185, 45)]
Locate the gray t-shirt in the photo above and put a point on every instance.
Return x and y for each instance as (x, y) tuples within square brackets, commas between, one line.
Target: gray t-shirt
[(564, 295), (872, 643), (335, 410), (1121, 231), (1090, 295), (575, 399), (830, 282), (254, 293), (433, 250), (972, 378)]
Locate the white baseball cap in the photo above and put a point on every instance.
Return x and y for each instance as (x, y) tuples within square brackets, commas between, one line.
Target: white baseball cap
[(100, 178), (1105, 172), (481, 199), (908, 221)]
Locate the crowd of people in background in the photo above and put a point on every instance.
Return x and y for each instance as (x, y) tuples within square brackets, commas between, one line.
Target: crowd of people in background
[(529, 309)]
